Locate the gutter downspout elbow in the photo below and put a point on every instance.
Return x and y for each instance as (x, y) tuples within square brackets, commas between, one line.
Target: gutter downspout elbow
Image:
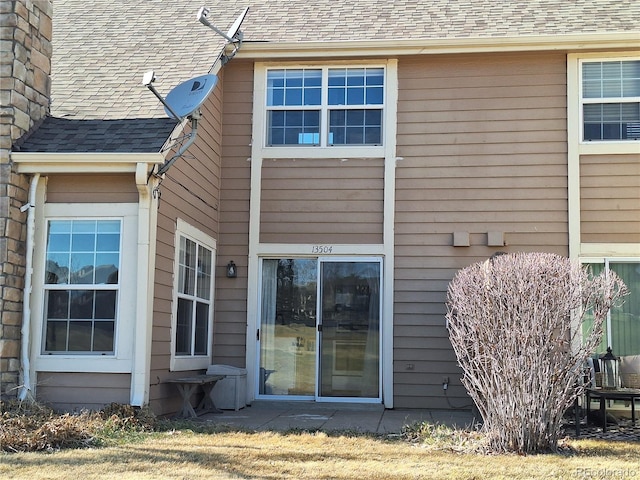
[(25, 366)]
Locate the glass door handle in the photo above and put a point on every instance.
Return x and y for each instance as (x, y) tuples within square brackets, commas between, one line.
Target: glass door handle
[(320, 327)]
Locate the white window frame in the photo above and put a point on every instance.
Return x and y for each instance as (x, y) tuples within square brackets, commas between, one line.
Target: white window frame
[(597, 147), (324, 108), (191, 362), (606, 260), (75, 287), (577, 148), (122, 359), (323, 150)]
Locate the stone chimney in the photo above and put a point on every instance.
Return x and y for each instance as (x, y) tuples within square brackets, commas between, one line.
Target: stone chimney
[(25, 68)]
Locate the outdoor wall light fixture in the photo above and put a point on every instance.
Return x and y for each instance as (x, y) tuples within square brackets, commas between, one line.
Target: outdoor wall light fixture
[(610, 370), (232, 270)]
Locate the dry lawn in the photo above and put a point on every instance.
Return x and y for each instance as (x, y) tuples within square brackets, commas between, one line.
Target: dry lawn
[(188, 455)]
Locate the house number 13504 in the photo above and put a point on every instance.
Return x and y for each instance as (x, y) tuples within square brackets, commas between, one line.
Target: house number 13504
[(321, 249)]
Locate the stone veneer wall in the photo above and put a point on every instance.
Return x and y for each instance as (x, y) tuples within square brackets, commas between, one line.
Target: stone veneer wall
[(25, 68)]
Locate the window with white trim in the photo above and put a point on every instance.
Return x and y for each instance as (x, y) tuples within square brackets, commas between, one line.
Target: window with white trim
[(82, 285), (610, 99), (622, 325), (193, 298), (325, 106)]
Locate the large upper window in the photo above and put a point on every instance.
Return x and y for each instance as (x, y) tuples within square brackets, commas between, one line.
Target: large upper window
[(193, 298), (325, 106), (82, 285), (610, 97)]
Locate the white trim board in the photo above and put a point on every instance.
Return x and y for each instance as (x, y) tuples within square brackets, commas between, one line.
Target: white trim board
[(45, 163), (385, 250), (122, 360), (359, 49), (576, 147)]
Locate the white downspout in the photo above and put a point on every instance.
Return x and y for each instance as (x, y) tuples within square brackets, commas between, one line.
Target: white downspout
[(147, 218), (25, 380)]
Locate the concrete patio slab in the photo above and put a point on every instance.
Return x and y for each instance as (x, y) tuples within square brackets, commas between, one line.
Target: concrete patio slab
[(370, 418), (364, 418)]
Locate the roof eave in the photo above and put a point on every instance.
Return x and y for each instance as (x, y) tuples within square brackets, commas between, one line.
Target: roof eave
[(47, 163), (357, 48)]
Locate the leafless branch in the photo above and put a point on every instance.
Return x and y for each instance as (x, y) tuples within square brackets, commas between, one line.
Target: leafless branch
[(517, 326)]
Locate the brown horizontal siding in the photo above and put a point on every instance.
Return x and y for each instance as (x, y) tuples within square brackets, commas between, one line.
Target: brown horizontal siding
[(610, 198), (93, 188), (190, 191), (322, 201), (231, 293), (448, 119), (482, 142), (72, 392), (502, 150)]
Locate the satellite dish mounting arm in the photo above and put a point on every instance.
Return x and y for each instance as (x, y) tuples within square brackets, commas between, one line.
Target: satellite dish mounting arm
[(202, 18), (233, 37), (182, 150), (185, 99), (147, 81)]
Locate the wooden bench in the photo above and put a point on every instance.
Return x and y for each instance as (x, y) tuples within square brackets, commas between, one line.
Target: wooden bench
[(187, 386)]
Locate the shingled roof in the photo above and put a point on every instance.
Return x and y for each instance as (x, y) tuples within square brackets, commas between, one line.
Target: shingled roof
[(361, 20), (101, 49)]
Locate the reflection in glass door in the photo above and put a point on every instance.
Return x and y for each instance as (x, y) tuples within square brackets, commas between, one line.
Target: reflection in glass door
[(345, 326), (288, 327), (349, 328)]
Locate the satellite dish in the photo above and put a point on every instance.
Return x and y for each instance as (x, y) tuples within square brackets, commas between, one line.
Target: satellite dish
[(184, 100), (233, 31), (232, 35), (186, 97)]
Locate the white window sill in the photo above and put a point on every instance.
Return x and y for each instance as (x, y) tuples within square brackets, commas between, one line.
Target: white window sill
[(82, 363), (610, 147), (310, 151), (192, 363)]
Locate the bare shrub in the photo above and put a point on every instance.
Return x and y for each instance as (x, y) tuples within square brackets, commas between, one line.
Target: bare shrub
[(26, 426), (516, 326), (118, 416), (29, 426)]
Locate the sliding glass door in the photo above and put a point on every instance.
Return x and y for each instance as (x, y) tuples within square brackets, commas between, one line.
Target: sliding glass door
[(349, 325), (287, 334), (327, 349)]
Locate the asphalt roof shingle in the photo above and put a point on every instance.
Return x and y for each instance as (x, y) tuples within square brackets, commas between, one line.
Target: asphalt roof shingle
[(101, 49), (72, 135), (281, 20)]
